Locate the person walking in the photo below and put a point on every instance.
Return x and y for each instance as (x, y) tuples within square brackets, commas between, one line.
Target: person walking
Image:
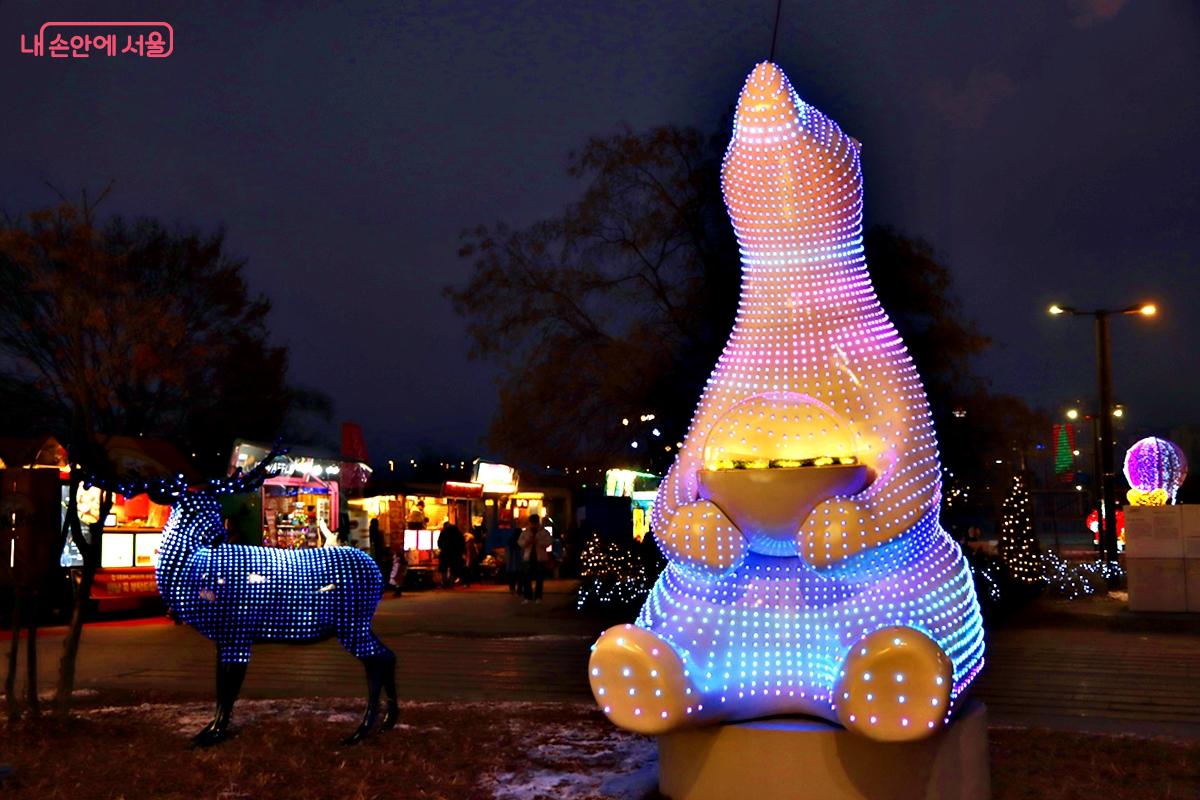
[(535, 543)]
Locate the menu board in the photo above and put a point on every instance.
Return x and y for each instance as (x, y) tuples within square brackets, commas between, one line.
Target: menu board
[(145, 549), (116, 550)]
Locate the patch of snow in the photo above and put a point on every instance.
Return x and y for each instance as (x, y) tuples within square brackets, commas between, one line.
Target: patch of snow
[(546, 637), (189, 717), (577, 762), (48, 694)]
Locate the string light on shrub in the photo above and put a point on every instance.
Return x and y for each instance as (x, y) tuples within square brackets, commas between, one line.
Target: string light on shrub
[(1072, 581), (800, 516), (1018, 543), (610, 574)]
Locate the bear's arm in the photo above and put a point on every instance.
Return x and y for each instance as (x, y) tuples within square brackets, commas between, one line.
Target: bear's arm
[(695, 532), (906, 487)]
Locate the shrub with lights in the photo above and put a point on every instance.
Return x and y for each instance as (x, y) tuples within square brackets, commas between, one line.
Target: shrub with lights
[(1018, 541), (610, 575), (1021, 571), (808, 571)]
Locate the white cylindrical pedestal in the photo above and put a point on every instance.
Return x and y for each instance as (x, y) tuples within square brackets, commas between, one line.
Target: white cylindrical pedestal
[(794, 759)]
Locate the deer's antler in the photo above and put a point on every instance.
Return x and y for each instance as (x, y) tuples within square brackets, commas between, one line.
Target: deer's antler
[(173, 488), (248, 481)]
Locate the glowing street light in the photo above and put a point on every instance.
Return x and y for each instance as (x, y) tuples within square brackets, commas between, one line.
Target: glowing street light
[(1105, 414)]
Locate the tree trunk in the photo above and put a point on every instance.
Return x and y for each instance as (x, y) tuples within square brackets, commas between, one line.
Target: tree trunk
[(82, 584), (10, 681), (31, 681), (82, 581)]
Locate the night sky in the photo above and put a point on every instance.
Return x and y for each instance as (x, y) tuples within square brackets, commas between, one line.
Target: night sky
[(1050, 151)]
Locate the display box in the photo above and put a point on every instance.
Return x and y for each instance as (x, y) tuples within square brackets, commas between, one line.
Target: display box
[(1189, 518), (1191, 567), (1157, 584), (1154, 532)]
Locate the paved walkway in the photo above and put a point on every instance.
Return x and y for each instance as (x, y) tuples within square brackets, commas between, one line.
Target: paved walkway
[(1086, 666)]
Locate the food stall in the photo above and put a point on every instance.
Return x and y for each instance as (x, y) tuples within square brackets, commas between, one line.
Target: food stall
[(133, 527), (411, 516), (300, 504), (641, 489)]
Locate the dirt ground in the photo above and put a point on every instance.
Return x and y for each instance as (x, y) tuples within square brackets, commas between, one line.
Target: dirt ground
[(114, 747)]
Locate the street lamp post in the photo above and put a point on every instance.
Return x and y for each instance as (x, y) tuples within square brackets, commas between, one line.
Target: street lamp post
[(1104, 437)]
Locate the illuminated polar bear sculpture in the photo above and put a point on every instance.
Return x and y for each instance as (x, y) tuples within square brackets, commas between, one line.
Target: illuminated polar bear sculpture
[(808, 572)]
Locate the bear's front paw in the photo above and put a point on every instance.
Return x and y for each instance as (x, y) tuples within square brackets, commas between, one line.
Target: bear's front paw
[(700, 536), (641, 682), (894, 686), (836, 530)]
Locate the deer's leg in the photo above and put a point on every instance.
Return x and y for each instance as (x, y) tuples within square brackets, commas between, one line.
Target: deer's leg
[(379, 663), (230, 674), (388, 676)]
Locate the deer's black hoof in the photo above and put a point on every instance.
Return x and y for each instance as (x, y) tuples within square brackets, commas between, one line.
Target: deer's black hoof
[(389, 717), (210, 736), (361, 733)]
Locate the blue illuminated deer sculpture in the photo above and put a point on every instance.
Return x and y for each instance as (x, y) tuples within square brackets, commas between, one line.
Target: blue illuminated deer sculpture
[(238, 595)]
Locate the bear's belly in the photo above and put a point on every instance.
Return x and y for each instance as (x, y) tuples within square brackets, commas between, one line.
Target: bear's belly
[(776, 624)]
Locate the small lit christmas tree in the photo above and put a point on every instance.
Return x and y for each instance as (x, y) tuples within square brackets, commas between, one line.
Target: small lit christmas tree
[(610, 574), (1018, 542)]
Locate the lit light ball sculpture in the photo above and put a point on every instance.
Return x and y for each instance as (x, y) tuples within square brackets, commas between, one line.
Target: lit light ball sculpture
[(239, 595), (1155, 469), (808, 572)]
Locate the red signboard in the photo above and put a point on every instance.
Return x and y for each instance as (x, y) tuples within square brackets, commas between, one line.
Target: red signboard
[(462, 489), (136, 582), (354, 446)]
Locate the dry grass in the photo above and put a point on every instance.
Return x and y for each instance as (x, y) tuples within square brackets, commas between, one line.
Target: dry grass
[(289, 749), (1050, 765)]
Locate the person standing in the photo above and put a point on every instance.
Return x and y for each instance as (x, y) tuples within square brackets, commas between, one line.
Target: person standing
[(379, 549), (513, 562), (470, 555), (450, 553), (416, 517), (535, 543), (399, 566)]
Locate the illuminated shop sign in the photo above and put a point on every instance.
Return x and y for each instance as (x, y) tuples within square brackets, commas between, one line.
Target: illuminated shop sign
[(462, 489), (496, 478)]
